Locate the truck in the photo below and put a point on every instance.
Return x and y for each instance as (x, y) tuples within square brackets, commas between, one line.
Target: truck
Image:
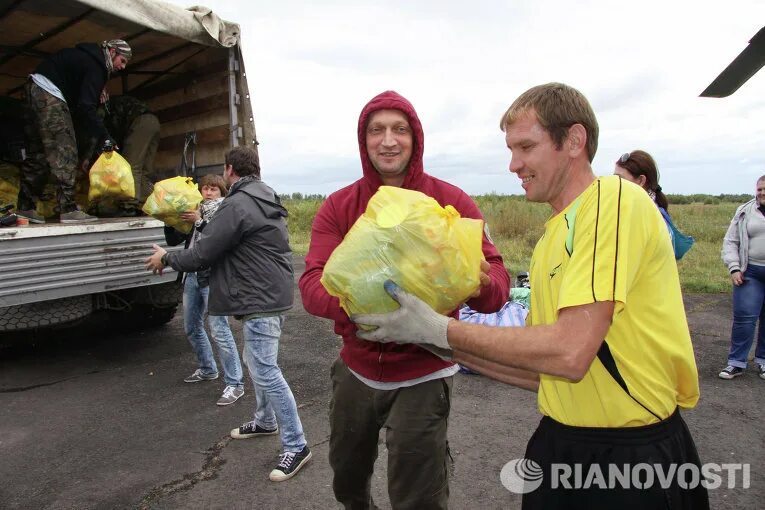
[(187, 66)]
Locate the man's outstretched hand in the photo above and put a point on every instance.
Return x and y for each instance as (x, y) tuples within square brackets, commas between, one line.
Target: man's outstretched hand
[(154, 263), (413, 323)]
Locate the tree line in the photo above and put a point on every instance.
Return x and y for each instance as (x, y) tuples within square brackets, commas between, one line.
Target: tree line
[(698, 198)]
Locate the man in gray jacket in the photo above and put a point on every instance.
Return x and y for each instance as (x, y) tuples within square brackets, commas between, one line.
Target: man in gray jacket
[(247, 248)]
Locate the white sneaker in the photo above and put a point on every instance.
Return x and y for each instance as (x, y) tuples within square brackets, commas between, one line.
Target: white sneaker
[(230, 395)]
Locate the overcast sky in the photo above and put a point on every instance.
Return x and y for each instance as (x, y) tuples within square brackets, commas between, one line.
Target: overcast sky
[(311, 66)]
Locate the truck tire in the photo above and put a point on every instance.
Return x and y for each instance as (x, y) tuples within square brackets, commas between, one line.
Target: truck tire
[(162, 295), (141, 316), (45, 313), (156, 316), (170, 293)]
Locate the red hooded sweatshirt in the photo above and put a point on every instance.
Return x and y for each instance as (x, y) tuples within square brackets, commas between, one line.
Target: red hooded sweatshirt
[(387, 362)]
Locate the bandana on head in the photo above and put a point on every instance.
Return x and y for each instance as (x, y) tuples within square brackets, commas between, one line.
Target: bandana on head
[(120, 47)]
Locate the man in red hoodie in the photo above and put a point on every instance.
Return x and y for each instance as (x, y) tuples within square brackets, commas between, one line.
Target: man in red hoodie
[(401, 387)]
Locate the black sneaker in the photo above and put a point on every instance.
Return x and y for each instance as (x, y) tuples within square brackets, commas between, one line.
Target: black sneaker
[(761, 370), (31, 215), (289, 464), (249, 429), (730, 372)]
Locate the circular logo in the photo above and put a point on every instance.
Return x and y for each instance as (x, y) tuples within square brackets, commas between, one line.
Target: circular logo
[(521, 476)]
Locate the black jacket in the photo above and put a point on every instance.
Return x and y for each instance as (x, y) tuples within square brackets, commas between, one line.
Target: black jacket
[(175, 237), (80, 74), (247, 248)]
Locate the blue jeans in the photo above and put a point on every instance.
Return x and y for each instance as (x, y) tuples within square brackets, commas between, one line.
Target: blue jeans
[(748, 300), (275, 402), (194, 310)]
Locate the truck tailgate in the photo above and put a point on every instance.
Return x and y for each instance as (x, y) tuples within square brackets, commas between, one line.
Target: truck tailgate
[(41, 262)]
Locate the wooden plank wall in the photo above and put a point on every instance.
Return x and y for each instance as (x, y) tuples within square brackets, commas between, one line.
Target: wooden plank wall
[(194, 97)]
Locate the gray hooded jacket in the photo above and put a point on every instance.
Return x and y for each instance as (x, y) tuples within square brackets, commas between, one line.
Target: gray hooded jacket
[(735, 248), (246, 245)]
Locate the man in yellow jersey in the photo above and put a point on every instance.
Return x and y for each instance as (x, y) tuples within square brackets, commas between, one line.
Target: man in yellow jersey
[(607, 342)]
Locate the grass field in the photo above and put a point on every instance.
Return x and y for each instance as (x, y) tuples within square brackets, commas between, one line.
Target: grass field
[(516, 225)]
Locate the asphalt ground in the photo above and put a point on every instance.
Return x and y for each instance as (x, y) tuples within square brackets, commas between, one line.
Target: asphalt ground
[(96, 418)]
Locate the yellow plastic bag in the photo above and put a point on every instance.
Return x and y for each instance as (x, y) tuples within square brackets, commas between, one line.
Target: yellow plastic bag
[(9, 183), (47, 206), (111, 178), (406, 236), (172, 197)]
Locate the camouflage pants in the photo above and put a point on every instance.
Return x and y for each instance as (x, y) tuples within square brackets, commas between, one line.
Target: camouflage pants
[(52, 149)]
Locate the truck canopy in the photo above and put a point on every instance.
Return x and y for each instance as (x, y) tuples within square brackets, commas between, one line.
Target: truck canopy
[(187, 66)]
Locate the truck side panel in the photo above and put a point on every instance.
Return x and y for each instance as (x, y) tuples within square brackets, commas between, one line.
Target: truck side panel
[(77, 260)]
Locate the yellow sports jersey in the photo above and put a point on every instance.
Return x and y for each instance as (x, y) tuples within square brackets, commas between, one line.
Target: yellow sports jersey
[(611, 244)]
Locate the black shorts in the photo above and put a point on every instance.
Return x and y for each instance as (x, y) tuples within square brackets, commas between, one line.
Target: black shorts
[(592, 468)]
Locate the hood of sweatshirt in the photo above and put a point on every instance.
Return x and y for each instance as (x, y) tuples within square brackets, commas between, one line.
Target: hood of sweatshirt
[(390, 100), (93, 50), (264, 196)]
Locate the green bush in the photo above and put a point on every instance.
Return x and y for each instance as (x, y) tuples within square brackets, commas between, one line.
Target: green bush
[(301, 213)]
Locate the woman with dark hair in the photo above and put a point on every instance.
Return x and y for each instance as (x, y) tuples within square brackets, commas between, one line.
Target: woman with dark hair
[(639, 167)]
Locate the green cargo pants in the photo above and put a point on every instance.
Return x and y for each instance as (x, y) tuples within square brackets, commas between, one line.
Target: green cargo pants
[(415, 421)]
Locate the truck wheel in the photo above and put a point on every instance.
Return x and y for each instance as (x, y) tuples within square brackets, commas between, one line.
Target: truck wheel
[(45, 313), (170, 293), (142, 316), (164, 294), (156, 316)]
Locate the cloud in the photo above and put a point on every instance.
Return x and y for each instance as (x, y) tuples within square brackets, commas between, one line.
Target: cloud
[(313, 65)]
